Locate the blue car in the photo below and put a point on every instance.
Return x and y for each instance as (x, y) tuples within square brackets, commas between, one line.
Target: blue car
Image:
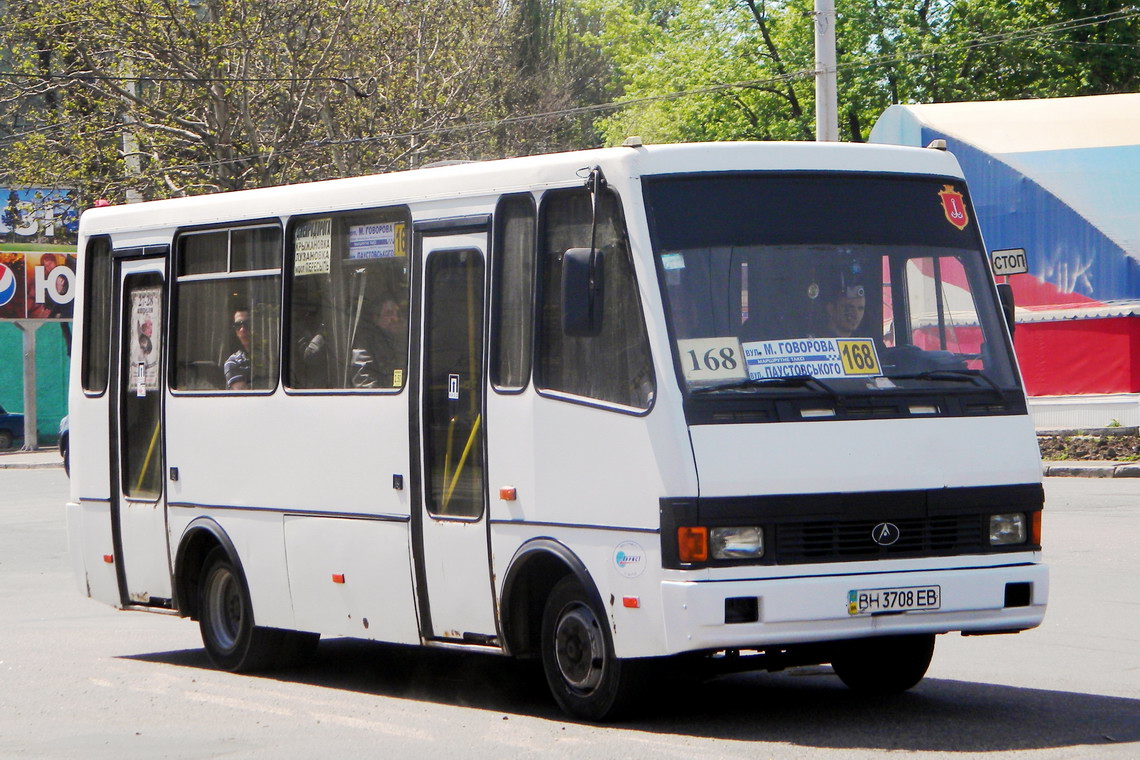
[(11, 429), (65, 444)]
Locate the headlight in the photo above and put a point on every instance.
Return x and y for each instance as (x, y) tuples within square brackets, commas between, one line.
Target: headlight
[(736, 543), (1007, 529)]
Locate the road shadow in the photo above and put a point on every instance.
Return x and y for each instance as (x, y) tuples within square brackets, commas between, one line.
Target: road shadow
[(808, 707)]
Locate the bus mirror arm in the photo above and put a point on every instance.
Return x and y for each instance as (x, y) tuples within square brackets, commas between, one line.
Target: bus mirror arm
[(1005, 295), (582, 273)]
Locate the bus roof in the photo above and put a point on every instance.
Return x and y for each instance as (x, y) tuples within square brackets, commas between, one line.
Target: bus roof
[(482, 178)]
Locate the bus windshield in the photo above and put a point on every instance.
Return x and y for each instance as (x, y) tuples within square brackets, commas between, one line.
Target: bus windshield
[(833, 283)]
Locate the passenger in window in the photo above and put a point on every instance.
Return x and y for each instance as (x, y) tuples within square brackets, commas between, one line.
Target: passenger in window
[(310, 350), (379, 349), (237, 366)]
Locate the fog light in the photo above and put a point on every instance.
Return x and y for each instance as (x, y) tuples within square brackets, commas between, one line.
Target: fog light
[(1007, 529), (736, 543)]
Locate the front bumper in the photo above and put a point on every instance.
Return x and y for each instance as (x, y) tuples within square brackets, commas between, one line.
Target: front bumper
[(814, 609)]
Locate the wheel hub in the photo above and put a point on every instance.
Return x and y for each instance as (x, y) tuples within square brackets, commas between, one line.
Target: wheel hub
[(226, 607), (579, 648)]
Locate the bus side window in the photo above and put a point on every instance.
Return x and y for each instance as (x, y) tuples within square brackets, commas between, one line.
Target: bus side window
[(97, 325), (348, 301), (228, 310), (613, 366), (512, 292)]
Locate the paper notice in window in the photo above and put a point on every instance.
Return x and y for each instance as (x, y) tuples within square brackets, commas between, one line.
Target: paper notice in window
[(312, 247)]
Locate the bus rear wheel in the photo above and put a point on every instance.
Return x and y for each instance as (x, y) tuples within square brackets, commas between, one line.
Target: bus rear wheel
[(883, 665), (225, 618), (587, 680)]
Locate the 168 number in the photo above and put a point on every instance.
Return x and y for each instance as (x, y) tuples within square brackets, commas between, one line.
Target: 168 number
[(858, 357), (714, 359)]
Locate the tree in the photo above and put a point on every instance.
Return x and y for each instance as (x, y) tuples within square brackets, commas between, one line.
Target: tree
[(554, 73), (174, 97), (742, 69)]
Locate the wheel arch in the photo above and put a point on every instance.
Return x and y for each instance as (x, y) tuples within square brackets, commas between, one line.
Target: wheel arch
[(533, 571), (199, 538)]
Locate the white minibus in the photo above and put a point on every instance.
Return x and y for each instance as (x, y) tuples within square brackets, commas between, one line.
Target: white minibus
[(755, 404)]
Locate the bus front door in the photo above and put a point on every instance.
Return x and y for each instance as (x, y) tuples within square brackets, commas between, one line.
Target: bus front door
[(450, 525), (138, 512)]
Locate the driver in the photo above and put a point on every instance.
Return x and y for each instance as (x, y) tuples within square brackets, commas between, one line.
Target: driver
[(845, 310)]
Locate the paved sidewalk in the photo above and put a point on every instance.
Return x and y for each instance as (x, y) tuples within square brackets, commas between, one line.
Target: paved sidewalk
[(30, 460)]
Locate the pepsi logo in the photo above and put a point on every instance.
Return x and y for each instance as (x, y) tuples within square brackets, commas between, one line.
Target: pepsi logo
[(7, 284)]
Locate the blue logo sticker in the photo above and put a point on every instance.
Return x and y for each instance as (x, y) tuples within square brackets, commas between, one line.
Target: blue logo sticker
[(629, 559)]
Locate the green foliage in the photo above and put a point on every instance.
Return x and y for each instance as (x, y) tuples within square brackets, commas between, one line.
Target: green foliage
[(674, 60), (694, 47), (170, 97), (153, 98)]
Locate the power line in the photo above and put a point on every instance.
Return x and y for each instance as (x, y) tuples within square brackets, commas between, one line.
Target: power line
[(576, 111), (93, 76), (1001, 38), (1043, 31), (988, 40)]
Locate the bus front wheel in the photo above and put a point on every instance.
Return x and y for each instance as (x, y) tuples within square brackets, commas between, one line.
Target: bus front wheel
[(883, 665), (225, 617), (587, 680)]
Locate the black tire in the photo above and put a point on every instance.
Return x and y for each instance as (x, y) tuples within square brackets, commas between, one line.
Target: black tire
[(5, 440), (884, 665), (225, 618), (587, 680)]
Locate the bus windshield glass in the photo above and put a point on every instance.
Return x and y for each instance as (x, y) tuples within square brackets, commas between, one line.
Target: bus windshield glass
[(833, 283)]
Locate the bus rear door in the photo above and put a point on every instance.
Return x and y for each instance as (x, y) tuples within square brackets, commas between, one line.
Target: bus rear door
[(450, 522)]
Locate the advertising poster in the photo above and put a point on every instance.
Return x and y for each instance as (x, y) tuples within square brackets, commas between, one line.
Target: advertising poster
[(37, 285), (38, 215), (145, 329)]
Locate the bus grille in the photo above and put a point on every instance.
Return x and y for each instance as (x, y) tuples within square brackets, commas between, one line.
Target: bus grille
[(846, 541)]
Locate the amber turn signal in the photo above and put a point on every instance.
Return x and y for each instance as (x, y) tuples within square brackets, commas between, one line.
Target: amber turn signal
[(693, 544)]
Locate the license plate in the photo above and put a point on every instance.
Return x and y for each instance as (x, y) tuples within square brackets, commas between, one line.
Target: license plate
[(868, 601)]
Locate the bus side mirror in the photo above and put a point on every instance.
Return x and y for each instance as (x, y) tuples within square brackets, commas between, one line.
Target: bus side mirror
[(582, 292), (1005, 295)]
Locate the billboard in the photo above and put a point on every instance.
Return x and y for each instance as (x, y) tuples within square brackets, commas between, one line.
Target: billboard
[(38, 215), (37, 285)]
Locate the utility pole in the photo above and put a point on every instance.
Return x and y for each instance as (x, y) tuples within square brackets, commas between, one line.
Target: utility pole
[(826, 97), (31, 419), (131, 156)]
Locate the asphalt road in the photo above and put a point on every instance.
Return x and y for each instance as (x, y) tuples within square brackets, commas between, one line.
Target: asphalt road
[(78, 679)]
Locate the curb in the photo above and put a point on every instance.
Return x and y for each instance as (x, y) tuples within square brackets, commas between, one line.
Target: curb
[(1099, 470), (1100, 432)]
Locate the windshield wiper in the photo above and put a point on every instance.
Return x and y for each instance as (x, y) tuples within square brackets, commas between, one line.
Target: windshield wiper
[(790, 381), (952, 375)]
